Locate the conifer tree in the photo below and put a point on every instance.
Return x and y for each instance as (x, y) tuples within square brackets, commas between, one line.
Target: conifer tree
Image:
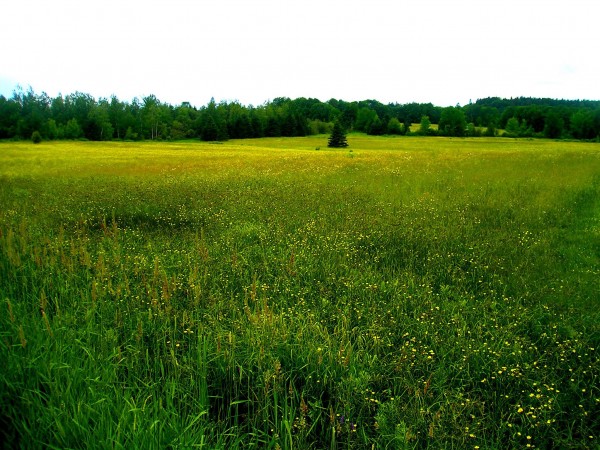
[(338, 137)]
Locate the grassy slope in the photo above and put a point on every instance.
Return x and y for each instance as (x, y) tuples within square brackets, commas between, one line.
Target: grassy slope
[(405, 292)]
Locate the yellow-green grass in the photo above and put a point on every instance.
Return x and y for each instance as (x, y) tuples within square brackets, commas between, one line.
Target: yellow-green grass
[(414, 127), (401, 293)]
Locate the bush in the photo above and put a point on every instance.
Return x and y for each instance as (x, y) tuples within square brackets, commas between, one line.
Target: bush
[(36, 137), (394, 126), (490, 131)]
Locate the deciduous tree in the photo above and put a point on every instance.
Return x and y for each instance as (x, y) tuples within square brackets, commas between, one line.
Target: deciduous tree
[(554, 125), (394, 126), (582, 125), (425, 127), (73, 130), (453, 122)]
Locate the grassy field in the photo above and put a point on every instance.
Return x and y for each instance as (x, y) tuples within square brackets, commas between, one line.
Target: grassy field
[(401, 293)]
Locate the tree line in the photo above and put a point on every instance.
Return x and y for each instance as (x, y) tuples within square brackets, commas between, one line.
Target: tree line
[(81, 116)]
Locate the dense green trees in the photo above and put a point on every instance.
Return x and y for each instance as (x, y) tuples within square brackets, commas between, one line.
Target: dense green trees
[(554, 125), (584, 125), (100, 126), (518, 128), (10, 112), (72, 130), (80, 116), (364, 119), (453, 122)]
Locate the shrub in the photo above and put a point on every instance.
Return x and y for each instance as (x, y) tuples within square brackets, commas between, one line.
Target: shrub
[(36, 137)]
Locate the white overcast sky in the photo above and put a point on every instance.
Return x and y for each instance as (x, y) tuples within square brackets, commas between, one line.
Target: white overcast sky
[(440, 51)]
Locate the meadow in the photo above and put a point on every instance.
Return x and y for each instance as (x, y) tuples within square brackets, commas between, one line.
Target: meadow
[(401, 293)]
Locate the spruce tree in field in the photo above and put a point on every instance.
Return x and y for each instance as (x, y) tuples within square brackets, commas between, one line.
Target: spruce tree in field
[(338, 136)]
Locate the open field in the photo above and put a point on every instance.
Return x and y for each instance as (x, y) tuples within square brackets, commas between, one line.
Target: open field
[(401, 293)]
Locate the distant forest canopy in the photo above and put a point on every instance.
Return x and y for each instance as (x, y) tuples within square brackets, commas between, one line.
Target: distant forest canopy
[(81, 116)]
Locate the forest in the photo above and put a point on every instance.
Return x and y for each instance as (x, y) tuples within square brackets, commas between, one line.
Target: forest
[(81, 116)]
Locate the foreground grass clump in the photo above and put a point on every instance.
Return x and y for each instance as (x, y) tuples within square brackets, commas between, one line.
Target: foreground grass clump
[(410, 293)]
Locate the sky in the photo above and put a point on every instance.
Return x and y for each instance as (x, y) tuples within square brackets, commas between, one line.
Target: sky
[(252, 51)]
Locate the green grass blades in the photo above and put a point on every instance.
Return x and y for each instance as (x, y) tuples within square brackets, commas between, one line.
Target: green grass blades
[(409, 293)]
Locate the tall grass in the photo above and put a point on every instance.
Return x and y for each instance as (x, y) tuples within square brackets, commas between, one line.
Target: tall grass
[(411, 292)]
